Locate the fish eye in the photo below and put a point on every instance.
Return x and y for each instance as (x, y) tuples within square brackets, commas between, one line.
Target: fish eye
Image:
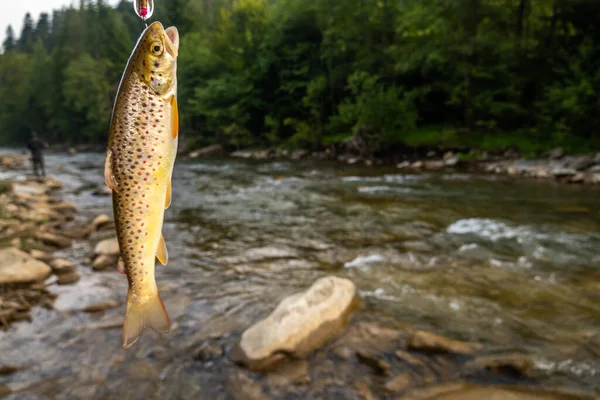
[(156, 48)]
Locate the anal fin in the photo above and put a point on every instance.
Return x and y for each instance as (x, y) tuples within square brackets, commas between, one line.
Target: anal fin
[(168, 198), (161, 251)]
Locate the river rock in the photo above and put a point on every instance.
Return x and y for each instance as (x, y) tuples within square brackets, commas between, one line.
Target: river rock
[(433, 165), (96, 307), (593, 178), (540, 173), (41, 255), (102, 190), (513, 364), (104, 261), (213, 150), (100, 221), (107, 247), (291, 374), (369, 339), (417, 246), (263, 253), (451, 161), (595, 168), (427, 341), (28, 188), (556, 153), (563, 172), (53, 184), (577, 178), (298, 154), (242, 387), (209, 351), (82, 231), (17, 266), (68, 278), (399, 383), (62, 266), (53, 239), (241, 154), (580, 163), (299, 324), (409, 359), (64, 207), (379, 365)]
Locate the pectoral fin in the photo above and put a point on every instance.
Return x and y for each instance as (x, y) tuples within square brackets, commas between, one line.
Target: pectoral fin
[(168, 198), (161, 251), (109, 178), (174, 117)]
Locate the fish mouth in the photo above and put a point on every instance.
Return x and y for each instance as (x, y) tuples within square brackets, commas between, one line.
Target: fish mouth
[(172, 42)]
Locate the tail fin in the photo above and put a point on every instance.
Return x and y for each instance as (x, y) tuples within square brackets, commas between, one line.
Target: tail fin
[(137, 316)]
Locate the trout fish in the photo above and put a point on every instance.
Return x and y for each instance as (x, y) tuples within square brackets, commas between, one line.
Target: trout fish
[(138, 166)]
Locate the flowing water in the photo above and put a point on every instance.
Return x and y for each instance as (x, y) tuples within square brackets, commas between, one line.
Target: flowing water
[(511, 264)]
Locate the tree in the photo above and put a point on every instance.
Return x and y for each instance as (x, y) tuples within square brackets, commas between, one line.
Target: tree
[(26, 39), (9, 40)]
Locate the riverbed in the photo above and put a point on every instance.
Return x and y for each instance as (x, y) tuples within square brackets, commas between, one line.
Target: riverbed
[(511, 264)]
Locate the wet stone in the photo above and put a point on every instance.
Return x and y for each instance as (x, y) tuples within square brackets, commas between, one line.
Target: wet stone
[(100, 222), (290, 374), (7, 369), (41, 255), (399, 382), (108, 247), (97, 307), (430, 342), (62, 266), (53, 239), (511, 364), (17, 266), (68, 278), (409, 358), (209, 351), (241, 387), (379, 366), (104, 262), (369, 338), (364, 390), (299, 324)]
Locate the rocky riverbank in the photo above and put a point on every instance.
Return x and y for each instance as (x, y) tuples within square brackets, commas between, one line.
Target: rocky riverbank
[(571, 169), (34, 224)]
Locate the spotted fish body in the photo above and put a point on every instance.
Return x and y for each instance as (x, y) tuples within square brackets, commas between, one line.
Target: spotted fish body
[(138, 167)]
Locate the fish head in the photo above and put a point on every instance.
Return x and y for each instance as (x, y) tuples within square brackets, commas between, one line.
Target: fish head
[(157, 58)]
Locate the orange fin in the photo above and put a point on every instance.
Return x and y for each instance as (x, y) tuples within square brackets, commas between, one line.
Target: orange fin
[(168, 198), (121, 266), (161, 251), (139, 315), (109, 178), (174, 117)]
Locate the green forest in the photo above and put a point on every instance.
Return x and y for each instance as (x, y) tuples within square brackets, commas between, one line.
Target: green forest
[(300, 74)]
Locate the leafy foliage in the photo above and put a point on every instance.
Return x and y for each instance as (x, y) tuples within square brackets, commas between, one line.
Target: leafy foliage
[(312, 74)]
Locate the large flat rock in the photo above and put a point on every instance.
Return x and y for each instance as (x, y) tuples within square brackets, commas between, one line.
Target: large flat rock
[(299, 324), (17, 266)]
